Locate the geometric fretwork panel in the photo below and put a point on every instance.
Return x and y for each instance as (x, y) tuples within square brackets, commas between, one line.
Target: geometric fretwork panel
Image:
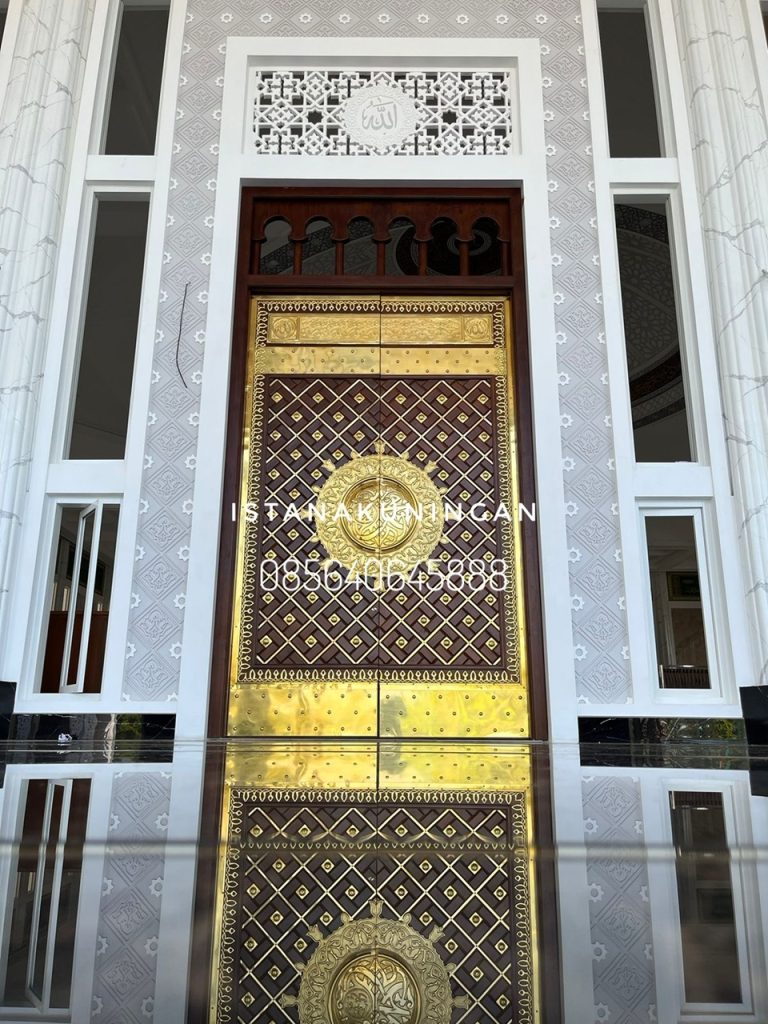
[(310, 422), (454, 112), (456, 875)]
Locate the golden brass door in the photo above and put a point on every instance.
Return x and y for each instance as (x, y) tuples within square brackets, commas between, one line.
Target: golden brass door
[(378, 589)]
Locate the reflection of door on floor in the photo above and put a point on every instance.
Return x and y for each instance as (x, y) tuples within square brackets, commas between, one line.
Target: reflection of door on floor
[(397, 900)]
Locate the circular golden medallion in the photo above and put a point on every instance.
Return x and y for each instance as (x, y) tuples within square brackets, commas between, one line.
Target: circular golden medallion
[(383, 514), (374, 988), (375, 970), (379, 515)]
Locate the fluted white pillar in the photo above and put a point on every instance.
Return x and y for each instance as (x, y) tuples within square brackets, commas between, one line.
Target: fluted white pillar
[(36, 134), (730, 146)]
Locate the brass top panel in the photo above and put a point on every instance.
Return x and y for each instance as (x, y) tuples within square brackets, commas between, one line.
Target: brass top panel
[(432, 330), (383, 767)]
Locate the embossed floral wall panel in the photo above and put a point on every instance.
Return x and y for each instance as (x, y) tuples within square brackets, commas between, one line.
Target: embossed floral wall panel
[(619, 900), (131, 895), (157, 622)]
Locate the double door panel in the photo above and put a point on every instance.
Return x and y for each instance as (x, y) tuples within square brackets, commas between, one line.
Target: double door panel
[(378, 589)]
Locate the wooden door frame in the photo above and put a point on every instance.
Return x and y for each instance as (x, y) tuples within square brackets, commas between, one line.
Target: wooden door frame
[(511, 286)]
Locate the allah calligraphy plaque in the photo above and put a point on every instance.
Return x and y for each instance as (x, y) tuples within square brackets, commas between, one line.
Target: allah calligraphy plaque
[(378, 589)]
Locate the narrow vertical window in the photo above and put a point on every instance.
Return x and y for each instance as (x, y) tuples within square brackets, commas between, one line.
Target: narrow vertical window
[(138, 73), (705, 899), (45, 894), (105, 372), (657, 385), (678, 609), (630, 94), (80, 596)]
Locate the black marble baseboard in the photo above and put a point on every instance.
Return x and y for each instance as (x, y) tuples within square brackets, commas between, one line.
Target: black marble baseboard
[(73, 738), (664, 742)]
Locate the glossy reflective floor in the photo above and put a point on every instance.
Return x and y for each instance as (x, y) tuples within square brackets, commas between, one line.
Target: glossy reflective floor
[(383, 884)]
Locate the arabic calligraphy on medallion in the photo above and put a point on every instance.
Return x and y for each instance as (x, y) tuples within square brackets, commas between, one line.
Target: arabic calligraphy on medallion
[(380, 116)]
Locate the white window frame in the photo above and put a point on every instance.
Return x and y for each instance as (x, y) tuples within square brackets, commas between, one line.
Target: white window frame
[(667, 140), (107, 73), (54, 479), (40, 1009), (694, 402), (668, 945), (94, 193), (95, 510), (43, 1003), (717, 659), (705, 483), (38, 625)]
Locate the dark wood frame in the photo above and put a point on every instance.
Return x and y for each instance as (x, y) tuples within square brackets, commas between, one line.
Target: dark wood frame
[(247, 284)]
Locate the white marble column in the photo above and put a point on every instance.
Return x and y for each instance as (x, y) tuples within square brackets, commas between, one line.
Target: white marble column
[(730, 145), (36, 133)]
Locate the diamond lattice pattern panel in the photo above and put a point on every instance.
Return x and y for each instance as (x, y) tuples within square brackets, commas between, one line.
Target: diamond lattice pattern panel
[(292, 869), (457, 112), (311, 421)]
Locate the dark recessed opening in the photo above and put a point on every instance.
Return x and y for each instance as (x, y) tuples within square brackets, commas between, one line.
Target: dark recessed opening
[(138, 75), (630, 96)]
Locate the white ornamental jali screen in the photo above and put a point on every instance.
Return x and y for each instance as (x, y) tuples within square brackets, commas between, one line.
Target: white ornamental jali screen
[(402, 113)]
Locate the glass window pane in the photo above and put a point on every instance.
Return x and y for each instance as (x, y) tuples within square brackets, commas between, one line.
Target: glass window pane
[(705, 899), (318, 254), (402, 252), (135, 99), (23, 895), (69, 894), (277, 248), (45, 895), (651, 334), (678, 619), (630, 97), (103, 394), (64, 591), (360, 249)]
